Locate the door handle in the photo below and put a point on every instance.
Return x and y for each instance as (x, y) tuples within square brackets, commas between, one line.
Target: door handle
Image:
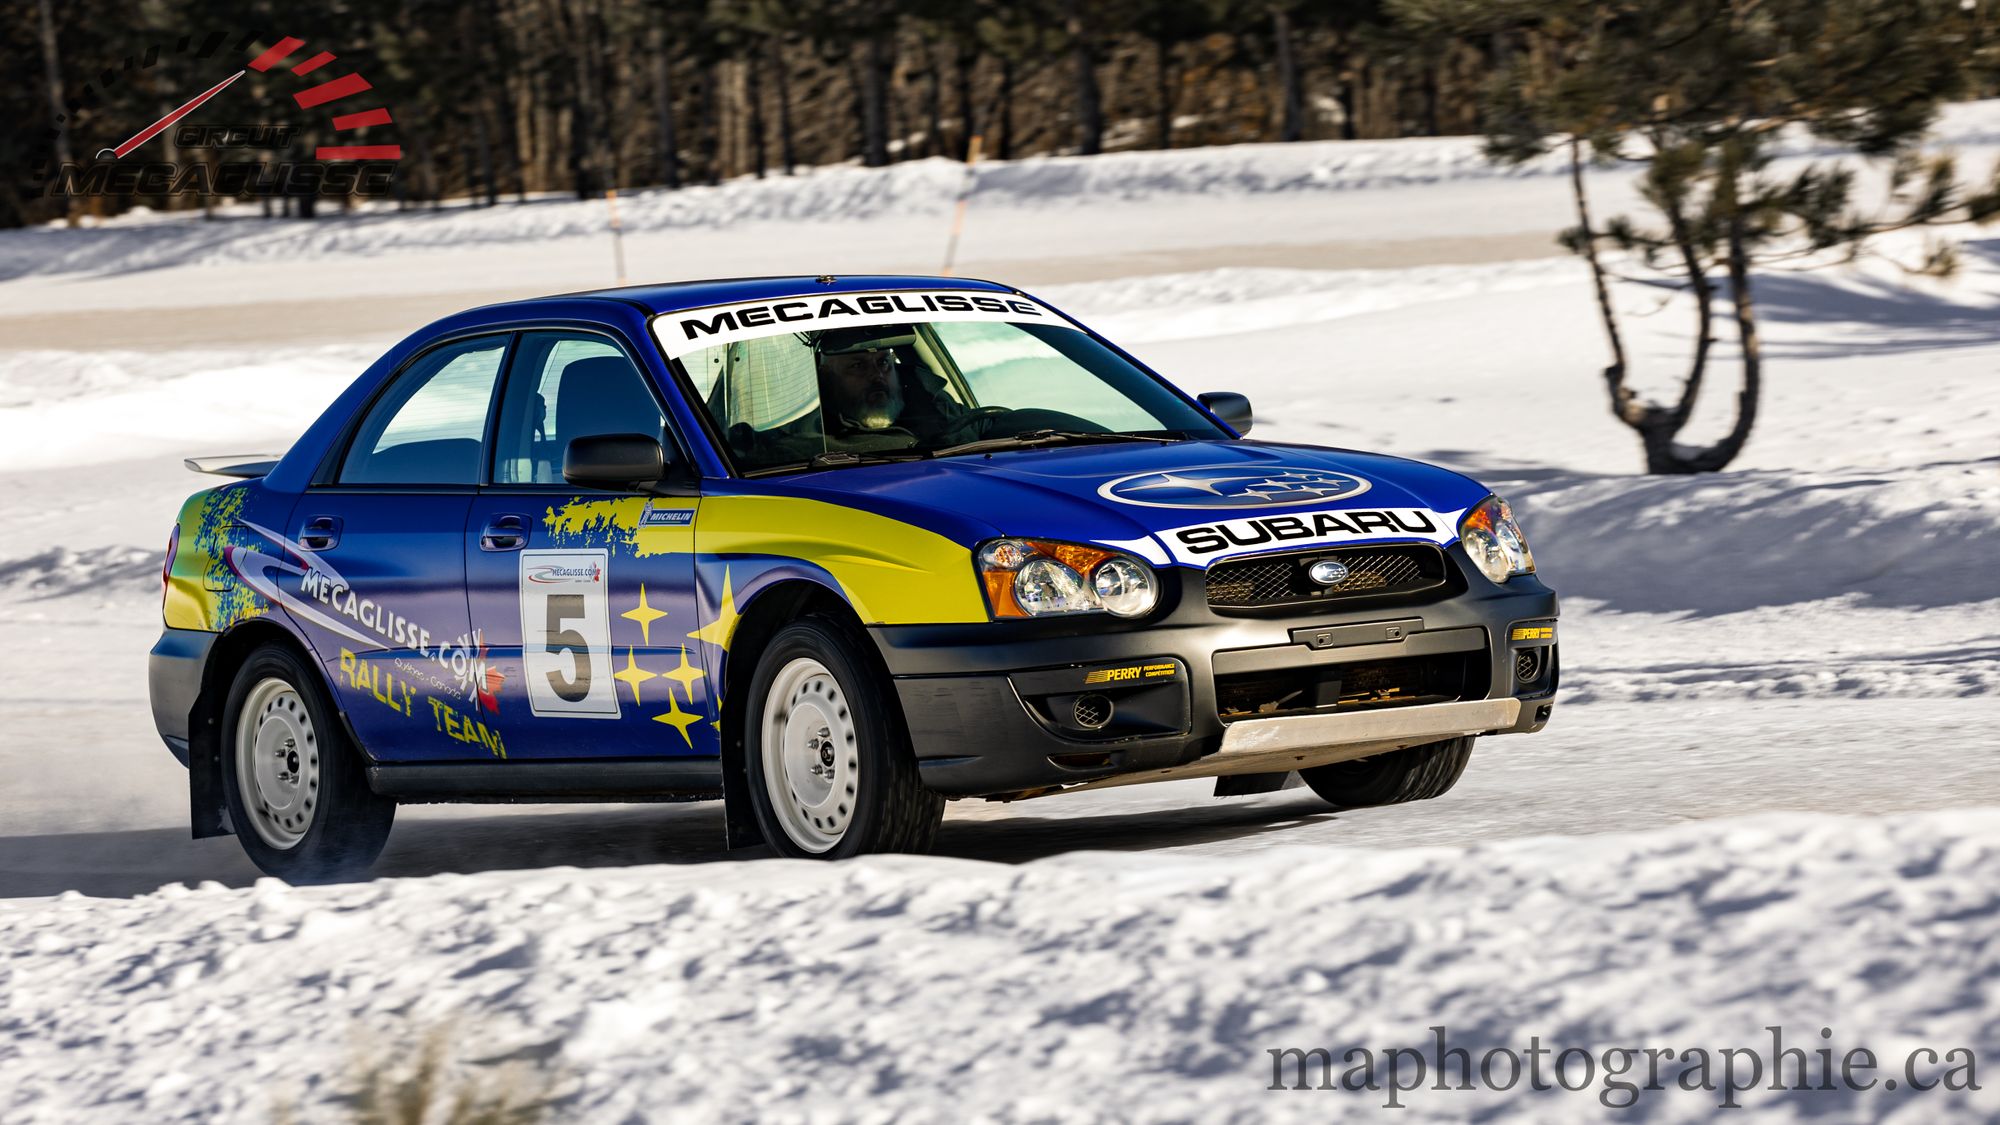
[(504, 533), (321, 533)]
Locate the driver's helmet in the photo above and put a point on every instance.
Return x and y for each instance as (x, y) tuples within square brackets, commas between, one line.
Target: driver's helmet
[(883, 338)]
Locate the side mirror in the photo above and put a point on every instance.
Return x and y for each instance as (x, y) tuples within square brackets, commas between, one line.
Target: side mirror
[(1229, 406), (619, 462)]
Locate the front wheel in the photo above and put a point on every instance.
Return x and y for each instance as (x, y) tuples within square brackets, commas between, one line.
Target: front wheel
[(828, 759), (296, 788), (1416, 774)]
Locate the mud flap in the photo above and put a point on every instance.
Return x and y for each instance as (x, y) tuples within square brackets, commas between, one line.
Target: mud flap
[(208, 813), (739, 820)]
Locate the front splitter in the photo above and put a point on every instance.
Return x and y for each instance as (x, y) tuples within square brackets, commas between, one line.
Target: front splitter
[(1297, 742)]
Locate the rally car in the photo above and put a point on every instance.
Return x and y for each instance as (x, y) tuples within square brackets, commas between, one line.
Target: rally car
[(832, 550)]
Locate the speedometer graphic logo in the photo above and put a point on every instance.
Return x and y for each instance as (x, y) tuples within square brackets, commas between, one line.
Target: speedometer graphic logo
[(326, 93), (353, 149)]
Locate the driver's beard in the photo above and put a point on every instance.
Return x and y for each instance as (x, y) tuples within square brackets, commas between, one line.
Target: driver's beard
[(883, 416)]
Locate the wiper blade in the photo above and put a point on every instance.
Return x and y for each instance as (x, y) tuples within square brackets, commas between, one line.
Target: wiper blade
[(1033, 439), (835, 458)]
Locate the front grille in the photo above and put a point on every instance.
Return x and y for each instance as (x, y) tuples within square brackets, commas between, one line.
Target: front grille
[(1362, 686), (1284, 580)]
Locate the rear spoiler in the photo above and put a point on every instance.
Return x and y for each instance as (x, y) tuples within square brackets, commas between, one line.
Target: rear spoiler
[(234, 464)]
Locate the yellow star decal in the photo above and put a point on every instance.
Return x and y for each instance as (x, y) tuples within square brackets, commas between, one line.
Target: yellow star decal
[(645, 615), (633, 676), (686, 674), (680, 720), (718, 631)]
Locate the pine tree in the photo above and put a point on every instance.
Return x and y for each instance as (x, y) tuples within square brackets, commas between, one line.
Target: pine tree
[(1701, 92)]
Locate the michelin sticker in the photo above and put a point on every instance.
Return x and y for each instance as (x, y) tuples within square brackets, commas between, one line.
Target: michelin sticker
[(685, 332)]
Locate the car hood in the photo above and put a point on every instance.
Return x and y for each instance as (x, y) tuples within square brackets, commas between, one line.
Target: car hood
[(1189, 503)]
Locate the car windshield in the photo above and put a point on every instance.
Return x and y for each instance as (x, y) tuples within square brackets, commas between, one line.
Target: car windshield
[(851, 385)]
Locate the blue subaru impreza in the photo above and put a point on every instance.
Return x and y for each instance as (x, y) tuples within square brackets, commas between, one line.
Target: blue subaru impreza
[(832, 550)]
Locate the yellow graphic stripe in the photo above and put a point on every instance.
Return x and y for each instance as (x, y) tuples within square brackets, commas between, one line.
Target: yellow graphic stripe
[(201, 592), (893, 573)]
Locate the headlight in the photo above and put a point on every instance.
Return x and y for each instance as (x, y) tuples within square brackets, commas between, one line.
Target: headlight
[(1041, 578), (1494, 541)]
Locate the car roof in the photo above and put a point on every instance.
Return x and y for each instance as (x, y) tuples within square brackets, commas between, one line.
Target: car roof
[(625, 308), (676, 296)]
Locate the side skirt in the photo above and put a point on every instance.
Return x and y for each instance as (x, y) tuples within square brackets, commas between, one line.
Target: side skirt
[(698, 779)]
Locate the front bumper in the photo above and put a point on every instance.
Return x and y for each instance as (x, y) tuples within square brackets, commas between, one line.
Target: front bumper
[(992, 708)]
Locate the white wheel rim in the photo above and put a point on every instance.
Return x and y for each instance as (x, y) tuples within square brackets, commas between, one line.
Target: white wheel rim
[(277, 763), (810, 755)]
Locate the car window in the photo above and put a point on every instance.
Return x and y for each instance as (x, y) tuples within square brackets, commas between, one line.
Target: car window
[(879, 385), (563, 386), (1005, 366), (430, 428)]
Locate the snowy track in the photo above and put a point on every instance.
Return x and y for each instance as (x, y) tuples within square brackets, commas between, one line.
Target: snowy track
[(1812, 635)]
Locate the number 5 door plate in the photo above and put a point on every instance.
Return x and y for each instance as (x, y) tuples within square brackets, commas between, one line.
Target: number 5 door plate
[(566, 634)]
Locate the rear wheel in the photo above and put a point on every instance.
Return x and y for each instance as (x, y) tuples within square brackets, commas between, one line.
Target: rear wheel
[(297, 790), (1416, 774), (828, 759)]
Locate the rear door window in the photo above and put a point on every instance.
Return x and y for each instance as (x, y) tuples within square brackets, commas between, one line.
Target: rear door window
[(430, 429)]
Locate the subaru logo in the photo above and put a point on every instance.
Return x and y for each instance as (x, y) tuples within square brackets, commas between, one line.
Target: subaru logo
[(1328, 572), (1237, 486)]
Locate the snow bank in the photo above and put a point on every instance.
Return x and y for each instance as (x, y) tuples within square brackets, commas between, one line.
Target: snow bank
[(1719, 544), (1186, 306), (823, 194), (903, 988), (62, 409)]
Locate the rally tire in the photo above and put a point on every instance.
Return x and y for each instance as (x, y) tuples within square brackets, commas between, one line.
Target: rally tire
[(1416, 774), (296, 787), (828, 759)]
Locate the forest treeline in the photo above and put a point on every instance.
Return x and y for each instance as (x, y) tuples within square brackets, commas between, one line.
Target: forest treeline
[(496, 98), (493, 99)]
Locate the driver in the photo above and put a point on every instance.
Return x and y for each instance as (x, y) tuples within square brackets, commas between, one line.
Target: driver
[(860, 384), (868, 401)]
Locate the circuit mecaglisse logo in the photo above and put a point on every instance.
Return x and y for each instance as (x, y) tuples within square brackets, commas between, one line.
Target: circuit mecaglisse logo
[(335, 169)]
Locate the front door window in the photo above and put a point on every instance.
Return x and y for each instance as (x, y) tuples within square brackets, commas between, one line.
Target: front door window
[(585, 598)]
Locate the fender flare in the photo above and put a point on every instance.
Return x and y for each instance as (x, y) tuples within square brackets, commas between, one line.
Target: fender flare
[(208, 808), (779, 596)]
